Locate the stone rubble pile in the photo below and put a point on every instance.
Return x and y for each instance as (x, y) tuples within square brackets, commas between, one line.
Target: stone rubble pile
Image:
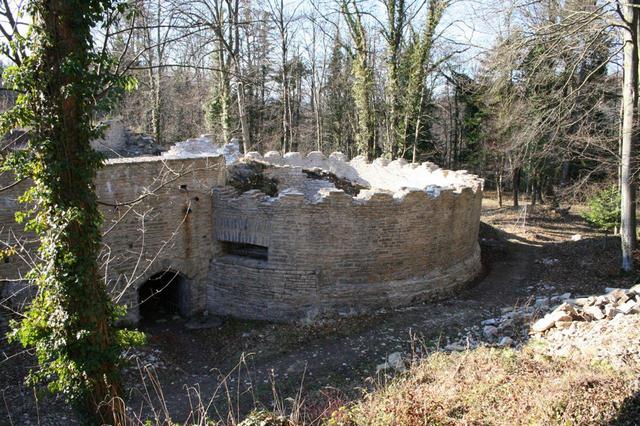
[(517, 324), (615, 302), (509, 329), (615, 341), (381, 174), (601, 328)]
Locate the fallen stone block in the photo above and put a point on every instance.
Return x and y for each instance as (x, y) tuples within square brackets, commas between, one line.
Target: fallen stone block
[(611, 311), (490, 332), (622, 300), (505, 341), (584, 301), (549, 320), (614, 294), (567, 309), (396, 361), (594, 312), (627, 306), (561, 325), (600, 301)]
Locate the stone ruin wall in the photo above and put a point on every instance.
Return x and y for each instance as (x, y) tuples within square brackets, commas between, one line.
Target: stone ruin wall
[(168, 229), (334, 254), (329, 253)]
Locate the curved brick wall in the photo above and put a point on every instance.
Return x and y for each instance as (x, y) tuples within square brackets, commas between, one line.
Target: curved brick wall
[(333, 254)]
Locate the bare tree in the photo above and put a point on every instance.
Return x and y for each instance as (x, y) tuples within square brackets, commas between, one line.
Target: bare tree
[(629, 132), (283, 24)]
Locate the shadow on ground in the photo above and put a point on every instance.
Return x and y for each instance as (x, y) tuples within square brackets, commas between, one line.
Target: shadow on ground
[(629, 412)]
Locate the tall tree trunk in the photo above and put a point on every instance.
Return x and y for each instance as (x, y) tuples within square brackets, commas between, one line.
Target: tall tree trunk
[(363, 84), (564, 179), (396, 15), (499, 187), (286, 99), (224, 93), (516, 186), (416, 134), (233, 7), (244, 122), (157, 109), (158, 96), (72, 315), (317, 115), (629, 135), (316, 84), (533, 193)]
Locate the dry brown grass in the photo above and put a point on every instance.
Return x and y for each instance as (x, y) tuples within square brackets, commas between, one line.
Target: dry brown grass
[(497, 387)]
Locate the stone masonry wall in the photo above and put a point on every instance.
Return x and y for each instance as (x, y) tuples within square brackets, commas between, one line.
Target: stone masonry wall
[(340, 255), (328, 253), (158, 217)]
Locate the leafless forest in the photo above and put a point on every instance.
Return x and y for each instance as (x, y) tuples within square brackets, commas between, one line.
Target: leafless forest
[(527, 94)]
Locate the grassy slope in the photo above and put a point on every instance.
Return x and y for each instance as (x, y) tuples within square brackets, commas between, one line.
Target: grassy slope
[(500, 386)]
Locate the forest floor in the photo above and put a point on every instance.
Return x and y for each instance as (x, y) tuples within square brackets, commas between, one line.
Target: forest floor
[(237, 366)]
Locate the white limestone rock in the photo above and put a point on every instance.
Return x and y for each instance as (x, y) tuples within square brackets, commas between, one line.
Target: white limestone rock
[(315, 157), (549, 320), (628, 306), (490, 332), (273, 157), (594, 312), (394, 362), (338, 156), (506, 341)]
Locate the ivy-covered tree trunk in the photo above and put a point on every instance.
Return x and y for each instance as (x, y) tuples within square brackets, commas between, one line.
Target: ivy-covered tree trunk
[(363, 81), (418, 58), (219, 111), (396, 16), (71, 321)]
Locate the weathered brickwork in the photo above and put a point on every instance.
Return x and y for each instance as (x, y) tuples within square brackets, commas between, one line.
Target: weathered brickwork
[(158, 217), (340, 255), (310, 252)]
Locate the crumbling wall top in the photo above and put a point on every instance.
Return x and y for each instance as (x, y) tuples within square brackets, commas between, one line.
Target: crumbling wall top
[(381, 178)]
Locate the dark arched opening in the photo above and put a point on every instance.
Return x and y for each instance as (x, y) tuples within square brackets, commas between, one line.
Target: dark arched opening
[(162, 296)]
